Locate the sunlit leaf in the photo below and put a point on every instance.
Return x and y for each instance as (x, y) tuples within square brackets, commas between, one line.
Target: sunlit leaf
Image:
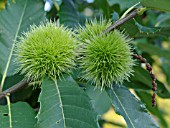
[(133, 111), (155, 111), (142, 80)]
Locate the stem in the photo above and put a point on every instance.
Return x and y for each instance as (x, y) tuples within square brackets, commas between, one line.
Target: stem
[(120, 22), (125, 19), (14, 88), (9, 109)]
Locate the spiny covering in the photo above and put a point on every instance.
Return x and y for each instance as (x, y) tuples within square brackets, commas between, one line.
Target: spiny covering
[(104, 58), (92, 28), (45, 50)]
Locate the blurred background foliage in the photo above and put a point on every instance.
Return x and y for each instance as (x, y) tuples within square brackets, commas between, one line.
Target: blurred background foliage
[(2, 4), (150, 31)]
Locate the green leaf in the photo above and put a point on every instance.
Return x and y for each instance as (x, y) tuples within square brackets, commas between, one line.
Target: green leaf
[(124, 4), (154, 50), (22, 115), (133, 111), (64, 104), (15, 19), (152, 31), (68, 14), (99, 98), (137, 30), (143, 81), (155, 111), (133, 28), (162, 5)]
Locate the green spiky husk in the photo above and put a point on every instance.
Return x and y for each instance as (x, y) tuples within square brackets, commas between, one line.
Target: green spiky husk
[(104, 58), (45, 50), (91, 29)]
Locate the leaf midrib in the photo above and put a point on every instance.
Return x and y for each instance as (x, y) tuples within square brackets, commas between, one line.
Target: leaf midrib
[(123, 109), (61, 103), (12, 49), (9, 111)]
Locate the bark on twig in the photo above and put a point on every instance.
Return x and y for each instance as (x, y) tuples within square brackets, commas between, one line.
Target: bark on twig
[(120, 22), (14, 88)]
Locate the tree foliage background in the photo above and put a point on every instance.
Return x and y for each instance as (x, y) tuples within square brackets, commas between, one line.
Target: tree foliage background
[(82, 105)]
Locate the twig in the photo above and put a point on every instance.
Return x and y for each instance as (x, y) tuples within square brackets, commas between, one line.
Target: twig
[(149, 69), (120, 22), (14, 88)]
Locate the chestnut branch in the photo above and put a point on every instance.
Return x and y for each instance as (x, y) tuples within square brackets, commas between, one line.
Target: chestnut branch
[(120, 22)]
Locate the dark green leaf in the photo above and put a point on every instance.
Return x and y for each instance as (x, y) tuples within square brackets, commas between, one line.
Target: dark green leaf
[(22, 115), (137, 30), (133, 111), (133, 28), (162, 5), (68, 14), (64, 104), (152, 31)]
